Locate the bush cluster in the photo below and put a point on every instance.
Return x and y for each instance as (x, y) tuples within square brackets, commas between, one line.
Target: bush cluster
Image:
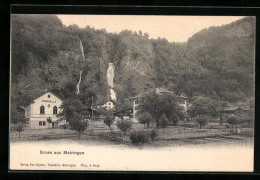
[(154, 134), (140, 137)]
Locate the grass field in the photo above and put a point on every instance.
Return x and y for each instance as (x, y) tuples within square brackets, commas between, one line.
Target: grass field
[(171, 135)]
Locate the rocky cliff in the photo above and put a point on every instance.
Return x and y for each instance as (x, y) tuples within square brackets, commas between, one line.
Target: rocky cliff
[(216, 62)]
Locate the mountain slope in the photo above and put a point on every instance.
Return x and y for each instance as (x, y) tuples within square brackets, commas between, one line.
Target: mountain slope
[(216, 62)]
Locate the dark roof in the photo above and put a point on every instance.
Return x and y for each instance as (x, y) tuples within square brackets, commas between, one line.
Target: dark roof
[(127, 105), (234, 108), (122, 110), (245, 108), (230, 108)]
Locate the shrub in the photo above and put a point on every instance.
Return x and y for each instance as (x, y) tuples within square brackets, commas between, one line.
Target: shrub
[(19, 129), (154, 134), (45, 137), (174, 119), (139, 137), (233, 121), (64, 126), (124, 125), (109, 121)]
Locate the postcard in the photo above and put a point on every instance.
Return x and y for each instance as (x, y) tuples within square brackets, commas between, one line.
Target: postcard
[(132, 93)]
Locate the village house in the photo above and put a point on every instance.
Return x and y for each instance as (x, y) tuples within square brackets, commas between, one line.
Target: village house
[(237, 111), (108, 105), (126, 113), (181, 99), (42, 108)]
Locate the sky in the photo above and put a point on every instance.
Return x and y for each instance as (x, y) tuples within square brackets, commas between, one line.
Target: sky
[(173, 28)]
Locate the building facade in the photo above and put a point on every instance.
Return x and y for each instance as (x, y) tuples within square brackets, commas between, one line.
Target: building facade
[(108, 105), (238, 111), (181, 99), (44, 107), (126, 113)]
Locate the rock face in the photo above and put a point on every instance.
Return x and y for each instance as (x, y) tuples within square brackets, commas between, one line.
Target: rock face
[(48, 55)]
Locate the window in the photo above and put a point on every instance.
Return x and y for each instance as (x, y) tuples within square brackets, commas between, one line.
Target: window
[(136, 102), (109, 103), (49, 96), (42, 110), (40, 123), (55, 110), (43, 123)]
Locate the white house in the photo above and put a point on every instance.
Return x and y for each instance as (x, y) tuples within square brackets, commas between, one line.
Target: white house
[(42, 108), (107, 105)]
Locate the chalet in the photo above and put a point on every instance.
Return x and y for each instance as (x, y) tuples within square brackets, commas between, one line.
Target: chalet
[(126, 113), (42, 108), (181, 99), (236, 110)]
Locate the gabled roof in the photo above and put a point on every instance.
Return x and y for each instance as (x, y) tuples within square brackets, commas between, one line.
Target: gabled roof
[(162, 90), (48, 92), (230, 108), (234, 108), (43, 95), (245, 108)]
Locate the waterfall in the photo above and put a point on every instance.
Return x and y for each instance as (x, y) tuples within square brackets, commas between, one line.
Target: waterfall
[(79, 82), (110, 74), (82, 50), (83, 57), (112, 94), (110, 80)]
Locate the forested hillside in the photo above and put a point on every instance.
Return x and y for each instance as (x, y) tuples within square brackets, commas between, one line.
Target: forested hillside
[(217, 62)]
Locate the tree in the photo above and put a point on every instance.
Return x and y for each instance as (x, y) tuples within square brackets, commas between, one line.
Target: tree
[(232, 120), (146, 35), (202, 120), (78, 124), (19, 129), (124, 125), (157, 105), (219, 105), (49, 120), (109, 121), (17, 116), (202, 106), (145, 118), (163, 121), (175, 118), (76, 113)]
